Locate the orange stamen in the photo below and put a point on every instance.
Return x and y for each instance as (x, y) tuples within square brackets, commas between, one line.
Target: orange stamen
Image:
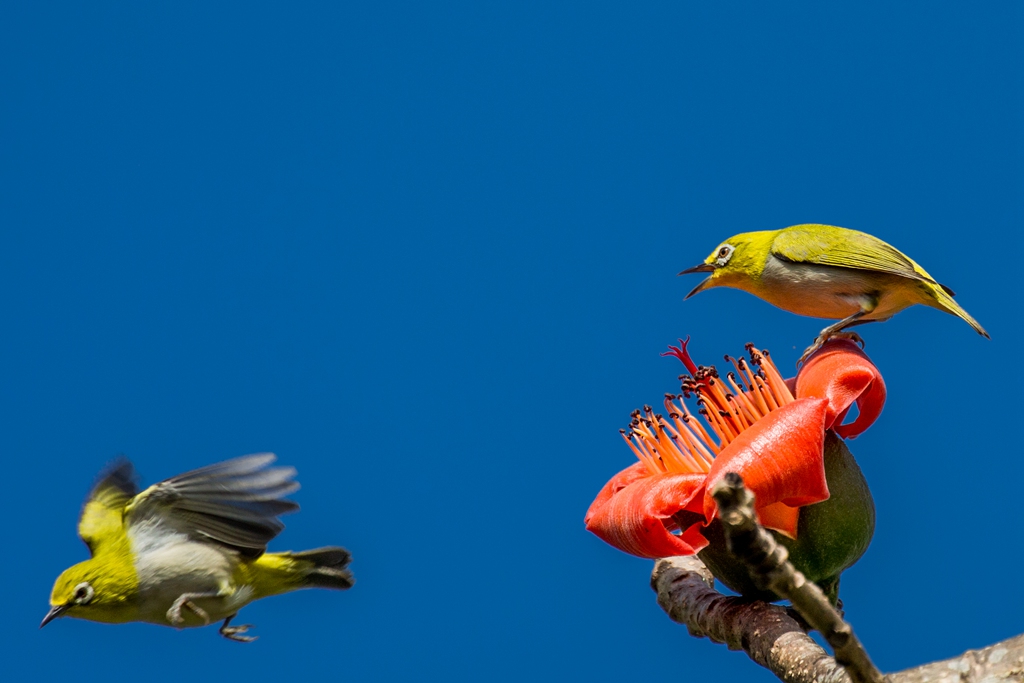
[(714, 427), (769, 397), (659, 442), (679, 450), (775, 377), (686, 459), (656, 446), (754, 389), (702, 459), (737, 413), (652, 467), (644, 444), (725, 435), (729, 405), (691, 421), (724, 406), (715, 392), (707, 448), (753, 414), (737, 366), (682, 419)]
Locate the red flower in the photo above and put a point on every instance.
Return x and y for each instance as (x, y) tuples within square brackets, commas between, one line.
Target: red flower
[(756, 427)]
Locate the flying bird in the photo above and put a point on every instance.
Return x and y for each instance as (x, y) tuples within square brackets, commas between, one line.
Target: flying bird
[(190, 550)]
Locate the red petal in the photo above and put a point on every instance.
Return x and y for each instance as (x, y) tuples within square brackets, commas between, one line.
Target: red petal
[(637, 470), (842, 374), (780, 457), (780, 517), (634, 518)]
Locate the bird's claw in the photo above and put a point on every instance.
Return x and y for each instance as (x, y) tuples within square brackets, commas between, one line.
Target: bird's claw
[(820, 340), (235, 632), (807, 353), (852, 336), (174, 613)]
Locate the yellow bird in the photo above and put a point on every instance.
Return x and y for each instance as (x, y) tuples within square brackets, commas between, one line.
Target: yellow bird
[(191, 549), (823, 271)]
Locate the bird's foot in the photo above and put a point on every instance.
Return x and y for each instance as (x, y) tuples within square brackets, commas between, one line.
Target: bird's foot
[(809, 351), (184, 601), (235, 632), (852, 336), (825, 336)]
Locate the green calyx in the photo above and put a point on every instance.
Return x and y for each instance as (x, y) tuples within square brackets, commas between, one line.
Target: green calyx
[(831, 535)]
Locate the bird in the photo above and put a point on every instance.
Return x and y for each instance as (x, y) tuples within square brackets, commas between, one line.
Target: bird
[(191, 549), (824, 271)]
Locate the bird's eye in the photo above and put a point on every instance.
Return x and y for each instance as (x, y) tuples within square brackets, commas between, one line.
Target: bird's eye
[(83, 593), (723, 255)]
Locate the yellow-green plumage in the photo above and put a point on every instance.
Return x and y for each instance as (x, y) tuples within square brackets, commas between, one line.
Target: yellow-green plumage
[(824, 271), (189, 550)]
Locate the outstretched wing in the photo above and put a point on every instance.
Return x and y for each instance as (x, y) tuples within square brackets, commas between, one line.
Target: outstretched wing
[(827, 245), (102, 515), (235, 502)]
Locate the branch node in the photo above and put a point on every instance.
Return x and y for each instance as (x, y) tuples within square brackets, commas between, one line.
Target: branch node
[(776, 637), (768, 564)]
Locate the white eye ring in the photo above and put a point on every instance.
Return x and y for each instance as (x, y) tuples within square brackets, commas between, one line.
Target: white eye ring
[(724, 254), (83, 593)]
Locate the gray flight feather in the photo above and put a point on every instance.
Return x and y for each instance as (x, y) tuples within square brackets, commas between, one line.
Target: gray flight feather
[(235, 502)]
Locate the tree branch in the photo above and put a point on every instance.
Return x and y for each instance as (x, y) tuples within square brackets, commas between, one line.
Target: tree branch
[(772, 637), (1003, 661), (766, 632), (769, 567)]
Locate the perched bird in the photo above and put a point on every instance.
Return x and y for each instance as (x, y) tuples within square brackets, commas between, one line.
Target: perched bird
[(191, 549), (823, 271)]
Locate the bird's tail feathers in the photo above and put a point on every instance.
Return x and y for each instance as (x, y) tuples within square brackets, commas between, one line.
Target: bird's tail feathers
[(325, 567), (320, 568), (943, 296)]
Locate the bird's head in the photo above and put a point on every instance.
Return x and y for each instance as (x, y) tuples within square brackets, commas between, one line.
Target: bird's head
[(94, 590), (735, 262)]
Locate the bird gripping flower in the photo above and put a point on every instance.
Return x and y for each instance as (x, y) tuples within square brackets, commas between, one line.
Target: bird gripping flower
[(824, 271)]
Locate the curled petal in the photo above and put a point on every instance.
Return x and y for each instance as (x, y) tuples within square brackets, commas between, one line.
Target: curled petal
[(635, 518), (637, 470), (780, 457), (842, 374)]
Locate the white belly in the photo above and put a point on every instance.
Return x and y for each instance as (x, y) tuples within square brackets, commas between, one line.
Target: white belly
[(831, 292), (170, 565)]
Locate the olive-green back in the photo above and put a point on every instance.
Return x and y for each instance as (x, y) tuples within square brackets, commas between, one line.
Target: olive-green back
[(828, 245)]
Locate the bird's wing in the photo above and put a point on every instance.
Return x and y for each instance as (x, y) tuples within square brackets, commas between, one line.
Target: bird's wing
[(102, 515), (235, 503), (843, 248)]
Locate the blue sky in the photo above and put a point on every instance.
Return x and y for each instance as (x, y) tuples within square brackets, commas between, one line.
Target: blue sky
[(427, 255)]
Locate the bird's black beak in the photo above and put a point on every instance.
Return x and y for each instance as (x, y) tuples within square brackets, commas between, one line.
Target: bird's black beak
[(700, 268), (54, 612)]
